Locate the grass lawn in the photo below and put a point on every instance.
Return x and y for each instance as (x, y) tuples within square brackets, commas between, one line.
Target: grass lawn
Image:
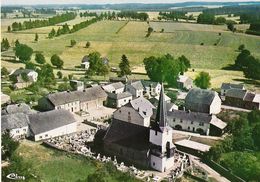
[(51, 165)]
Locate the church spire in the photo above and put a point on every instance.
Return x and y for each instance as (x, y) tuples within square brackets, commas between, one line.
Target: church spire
[(161, 110)]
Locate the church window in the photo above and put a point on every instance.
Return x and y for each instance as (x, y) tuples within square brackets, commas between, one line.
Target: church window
[(155, 132), (191, 122), (153, 163), (188, 128)]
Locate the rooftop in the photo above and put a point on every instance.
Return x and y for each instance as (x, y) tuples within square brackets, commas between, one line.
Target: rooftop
[(119, 95), (200, 96), (46, 121), (227, 86), (12, 121), (193, 145)]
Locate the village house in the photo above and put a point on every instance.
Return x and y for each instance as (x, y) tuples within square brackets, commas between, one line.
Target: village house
[(201, 100), (85, 62), (184, 82), (77, 85), (137, 111), (135, 88), (195, 122), (50, 124), (243, 99), (143, 146), (227, 86), (17, 108), (23, 77), (17, 124), (117, 87), (118, 100), (151, 88), (75, 101)]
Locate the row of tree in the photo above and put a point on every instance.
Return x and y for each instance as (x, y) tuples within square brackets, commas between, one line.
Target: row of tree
[(254, 29), (16, 26), (66, 29), (133, 15), (248, 64), (166, 68), (174, 15), (206, 18), (87, 13)]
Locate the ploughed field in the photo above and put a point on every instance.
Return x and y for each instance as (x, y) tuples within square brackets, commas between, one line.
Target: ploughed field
[(206, 46)]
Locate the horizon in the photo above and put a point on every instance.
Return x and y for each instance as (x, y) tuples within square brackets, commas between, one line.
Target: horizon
[(112, 2)]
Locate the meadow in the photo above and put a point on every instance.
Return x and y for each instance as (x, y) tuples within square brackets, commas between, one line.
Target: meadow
[(114, 38)]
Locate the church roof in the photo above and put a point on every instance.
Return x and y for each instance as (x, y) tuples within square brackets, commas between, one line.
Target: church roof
[(128, 135)]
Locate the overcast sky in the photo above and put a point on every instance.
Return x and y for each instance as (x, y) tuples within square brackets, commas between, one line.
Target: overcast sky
[(17, 2)]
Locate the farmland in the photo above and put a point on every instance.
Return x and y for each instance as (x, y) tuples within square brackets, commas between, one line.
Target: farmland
[(207, 46)]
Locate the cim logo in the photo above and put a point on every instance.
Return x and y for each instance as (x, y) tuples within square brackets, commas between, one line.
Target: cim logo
[(15, 176)]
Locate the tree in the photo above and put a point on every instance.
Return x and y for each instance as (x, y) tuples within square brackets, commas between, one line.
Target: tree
[(149, 31), (36, 37), (241, 47), (256, 135), (57, 61), (184, 64), (59, 74), (8, 145), (252, 68), (30, 65), (52, 33), (25, 77), (205, 18), (72, 43), (5, 44), (64, 87), (202, 80), (9, 29), (254, 117), (164, 68), (242, 59), (220, 21), (96, 65), (4, 72), (230, 26), (23, 52), (124, 66), (46, 76), (87, 44), (16, 43), (39, 58)]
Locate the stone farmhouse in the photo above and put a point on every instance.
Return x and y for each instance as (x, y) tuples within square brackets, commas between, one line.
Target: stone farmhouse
[(196, 122), (75, 101), (201, 100), (242, 99), (227, 86), (50, 124)]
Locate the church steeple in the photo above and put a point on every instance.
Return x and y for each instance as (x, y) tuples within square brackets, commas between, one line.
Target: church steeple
[(161, 110)]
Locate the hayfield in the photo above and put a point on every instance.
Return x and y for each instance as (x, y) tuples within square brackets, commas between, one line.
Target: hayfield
[(114, 38)]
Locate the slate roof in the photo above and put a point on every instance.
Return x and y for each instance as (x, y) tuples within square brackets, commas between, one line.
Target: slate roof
[(143, 106), (137, 85), (119, 95), (46, 121), (236, 93), (200, 96), (12, 121), (193, 145), (191, 116), (85, 59), (88, 94), (113, 86), (227, 86), (128, 135), (17, 108)]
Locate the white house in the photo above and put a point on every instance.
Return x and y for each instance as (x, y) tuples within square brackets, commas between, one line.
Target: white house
[(137, 111), (151, 88), (16, 124), (85, 62), (117, 87), (118, 100), (184, 82), (77, 85), (201, 100), (194, 121), (50, 124), (135, 88)]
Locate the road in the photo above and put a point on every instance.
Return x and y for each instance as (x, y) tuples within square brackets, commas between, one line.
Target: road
[(211, 172)]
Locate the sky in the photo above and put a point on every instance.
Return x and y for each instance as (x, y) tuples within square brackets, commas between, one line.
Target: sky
[(30, 2)]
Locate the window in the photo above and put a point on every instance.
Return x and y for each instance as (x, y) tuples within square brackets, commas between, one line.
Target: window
[(24, 129), (17, 131), (46, 135), (124, 100), (191, 122), (156, 133), (128, 113), (201, 124), (153, 163), (181, 121), (119, 111), (174, 120), (40, 137), (188, 128)]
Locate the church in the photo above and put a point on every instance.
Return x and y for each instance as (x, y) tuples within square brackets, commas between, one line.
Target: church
[(144, 146)]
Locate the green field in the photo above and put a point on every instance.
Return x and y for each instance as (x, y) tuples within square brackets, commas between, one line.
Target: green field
[(114, 38)]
